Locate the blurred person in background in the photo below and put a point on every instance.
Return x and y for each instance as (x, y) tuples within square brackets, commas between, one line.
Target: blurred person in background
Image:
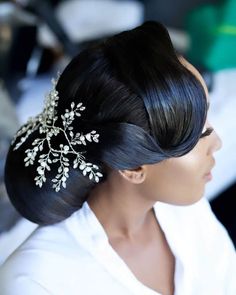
[(8, 126), (114, 171)]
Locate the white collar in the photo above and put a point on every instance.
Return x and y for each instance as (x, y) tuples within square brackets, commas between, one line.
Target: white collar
[(92, 236)]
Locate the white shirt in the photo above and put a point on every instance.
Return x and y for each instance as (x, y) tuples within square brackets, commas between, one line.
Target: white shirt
[(74, 257)]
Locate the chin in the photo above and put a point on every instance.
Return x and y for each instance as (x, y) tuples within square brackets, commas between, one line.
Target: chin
[(194, 199), (185, 202)]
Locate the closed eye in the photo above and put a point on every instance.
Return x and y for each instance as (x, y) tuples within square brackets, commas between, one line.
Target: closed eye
[(207, 132)]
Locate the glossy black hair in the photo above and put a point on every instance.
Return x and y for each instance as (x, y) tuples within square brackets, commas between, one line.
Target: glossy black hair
[(146, 106)]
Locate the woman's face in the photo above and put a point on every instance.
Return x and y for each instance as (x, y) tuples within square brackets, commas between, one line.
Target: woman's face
[(182, 180)]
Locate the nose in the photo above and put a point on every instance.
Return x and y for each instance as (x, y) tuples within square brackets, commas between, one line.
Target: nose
[(216, 142)]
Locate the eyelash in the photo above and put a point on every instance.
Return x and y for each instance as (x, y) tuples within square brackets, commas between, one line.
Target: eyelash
[(207, 132)]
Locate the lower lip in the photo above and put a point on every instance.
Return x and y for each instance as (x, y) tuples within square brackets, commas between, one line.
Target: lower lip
[(208, 177)]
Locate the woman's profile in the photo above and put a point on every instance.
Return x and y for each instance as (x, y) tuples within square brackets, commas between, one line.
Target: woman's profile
[(114, 170)]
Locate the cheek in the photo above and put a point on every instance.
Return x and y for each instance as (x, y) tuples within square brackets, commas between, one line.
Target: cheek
[(181, 181)]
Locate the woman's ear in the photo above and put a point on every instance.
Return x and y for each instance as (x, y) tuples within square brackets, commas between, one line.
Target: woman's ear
[(136, 175)]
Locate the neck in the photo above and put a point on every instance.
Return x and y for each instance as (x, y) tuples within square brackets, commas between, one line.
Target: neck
[(124, 212)]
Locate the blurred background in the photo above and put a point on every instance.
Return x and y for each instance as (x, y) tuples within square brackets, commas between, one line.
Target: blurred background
[(39, 37)]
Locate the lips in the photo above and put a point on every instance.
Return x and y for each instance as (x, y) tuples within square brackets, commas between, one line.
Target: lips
[(208, 175)]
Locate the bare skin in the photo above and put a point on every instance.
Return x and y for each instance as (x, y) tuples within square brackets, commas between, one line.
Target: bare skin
[(124, 206), (135, 235)]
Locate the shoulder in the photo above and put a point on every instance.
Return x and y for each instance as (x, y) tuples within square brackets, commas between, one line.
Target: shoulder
[(200, 242), (195, 222), (40, 262), (20, 284)]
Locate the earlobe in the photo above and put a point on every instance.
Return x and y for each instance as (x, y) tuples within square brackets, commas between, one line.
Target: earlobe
[(136, 175)]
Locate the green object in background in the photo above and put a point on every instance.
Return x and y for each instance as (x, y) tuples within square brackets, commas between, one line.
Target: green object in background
[(212, 31)]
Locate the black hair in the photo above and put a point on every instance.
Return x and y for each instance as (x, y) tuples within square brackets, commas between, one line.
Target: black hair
[(144, 103)]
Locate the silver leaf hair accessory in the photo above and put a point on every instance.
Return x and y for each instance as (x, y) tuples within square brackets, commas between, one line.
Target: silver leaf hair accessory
[(46, 123)]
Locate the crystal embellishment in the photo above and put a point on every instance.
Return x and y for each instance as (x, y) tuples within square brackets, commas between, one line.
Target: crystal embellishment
[(45, 122)]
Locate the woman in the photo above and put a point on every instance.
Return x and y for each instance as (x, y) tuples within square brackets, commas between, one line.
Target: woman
[(123, 140)]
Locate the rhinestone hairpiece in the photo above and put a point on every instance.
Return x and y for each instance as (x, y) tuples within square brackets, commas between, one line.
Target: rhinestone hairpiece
[(46, 123)]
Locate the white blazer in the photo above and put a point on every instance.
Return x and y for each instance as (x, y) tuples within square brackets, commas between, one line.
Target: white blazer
[(74, 257)]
